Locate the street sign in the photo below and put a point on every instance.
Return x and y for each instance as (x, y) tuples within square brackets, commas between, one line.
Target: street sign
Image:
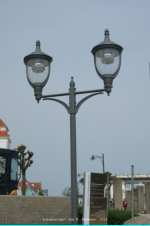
[(95, 204)]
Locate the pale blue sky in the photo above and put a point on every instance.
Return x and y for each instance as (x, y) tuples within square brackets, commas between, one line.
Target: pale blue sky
[(118, 125)]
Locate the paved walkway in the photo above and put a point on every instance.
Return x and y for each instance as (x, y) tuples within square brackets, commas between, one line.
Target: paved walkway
[(143, 219)]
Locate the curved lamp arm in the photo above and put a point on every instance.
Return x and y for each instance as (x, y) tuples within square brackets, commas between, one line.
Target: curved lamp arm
[(59, 101), (48, 97), (96, 156), (84, 99)]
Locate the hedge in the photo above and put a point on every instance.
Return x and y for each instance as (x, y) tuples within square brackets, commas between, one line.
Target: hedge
[(115, 217)]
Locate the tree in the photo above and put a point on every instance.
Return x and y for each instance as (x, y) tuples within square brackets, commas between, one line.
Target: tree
[(40, 192), (24, 163), (109, 185), (110, 180), (67, 191)]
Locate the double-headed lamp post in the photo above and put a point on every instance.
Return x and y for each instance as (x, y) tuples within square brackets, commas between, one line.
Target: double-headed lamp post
[(101, 157), (107, 60)]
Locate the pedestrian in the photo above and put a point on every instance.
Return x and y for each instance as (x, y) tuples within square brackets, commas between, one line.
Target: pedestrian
[(125, 204), (112, 203)]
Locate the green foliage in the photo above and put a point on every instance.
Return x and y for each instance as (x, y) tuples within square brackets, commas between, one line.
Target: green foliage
[(40, 192), (24, 163), (67, 191), (118, 217), (107, 172), (80, 213), (115, 217), (110, 180)]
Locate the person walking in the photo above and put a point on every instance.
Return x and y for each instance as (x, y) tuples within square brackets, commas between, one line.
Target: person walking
[(125, 204), (112, 203)]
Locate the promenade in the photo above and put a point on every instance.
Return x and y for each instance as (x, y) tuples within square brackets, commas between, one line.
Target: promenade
[(143, 219)]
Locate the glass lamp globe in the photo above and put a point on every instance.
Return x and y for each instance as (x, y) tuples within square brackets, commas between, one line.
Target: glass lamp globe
[(37, 69), (107, 60)]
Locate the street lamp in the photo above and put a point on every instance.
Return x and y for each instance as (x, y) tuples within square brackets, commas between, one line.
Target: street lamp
[(82, 179), (101, 157), (80, 174), (107, 59)]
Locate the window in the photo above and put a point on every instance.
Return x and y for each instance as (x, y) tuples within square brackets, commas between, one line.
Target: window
[(2, 165), (14, 167)]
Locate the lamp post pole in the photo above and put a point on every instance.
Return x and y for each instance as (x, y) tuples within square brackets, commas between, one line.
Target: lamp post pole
[(72, 102), (103, 163), (107, 60), (72, 110), (101, 157), (132, 193)]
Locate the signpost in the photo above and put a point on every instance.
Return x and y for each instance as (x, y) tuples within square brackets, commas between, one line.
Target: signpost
[(95, 204)]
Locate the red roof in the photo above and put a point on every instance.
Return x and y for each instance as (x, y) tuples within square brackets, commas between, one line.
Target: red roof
[(2, 123), (3, 134), (80, 195), (36, 185)]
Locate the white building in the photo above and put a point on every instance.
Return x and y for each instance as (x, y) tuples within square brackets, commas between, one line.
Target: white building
[(139, 180), (4, 137)]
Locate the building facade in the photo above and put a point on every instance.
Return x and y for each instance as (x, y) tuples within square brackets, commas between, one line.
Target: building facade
[(32, 189), (4, 137), (139, 180)]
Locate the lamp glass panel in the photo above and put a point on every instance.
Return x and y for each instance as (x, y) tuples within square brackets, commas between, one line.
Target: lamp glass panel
[(37, 70), (107, 61)]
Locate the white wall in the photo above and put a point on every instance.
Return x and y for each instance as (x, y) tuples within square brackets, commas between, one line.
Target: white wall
[(4, 143)]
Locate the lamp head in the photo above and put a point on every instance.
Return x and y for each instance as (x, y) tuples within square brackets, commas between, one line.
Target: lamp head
[(37, 70), (107, 60), (92, 158)]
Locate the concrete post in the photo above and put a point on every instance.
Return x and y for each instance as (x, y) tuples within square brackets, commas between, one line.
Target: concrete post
[(128, 199), (136, 201), (147, 197), (140, 194), (117, 182)]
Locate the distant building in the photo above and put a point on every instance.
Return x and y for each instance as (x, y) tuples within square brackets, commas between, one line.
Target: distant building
[(32, 188), (139, 180), (45, 192), (4, 137), (80, 200)]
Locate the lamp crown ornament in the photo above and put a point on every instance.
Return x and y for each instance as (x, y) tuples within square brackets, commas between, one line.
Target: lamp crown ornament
[(107, 39), (107, 34), (72, 83), (38, 43)]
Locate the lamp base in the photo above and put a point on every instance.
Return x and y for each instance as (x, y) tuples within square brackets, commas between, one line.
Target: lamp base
[(37, 91), (108, 81)]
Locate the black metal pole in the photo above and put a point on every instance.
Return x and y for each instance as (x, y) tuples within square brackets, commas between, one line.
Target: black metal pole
[(132, 196), (103, 163), (107, 195), (72, 104)]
